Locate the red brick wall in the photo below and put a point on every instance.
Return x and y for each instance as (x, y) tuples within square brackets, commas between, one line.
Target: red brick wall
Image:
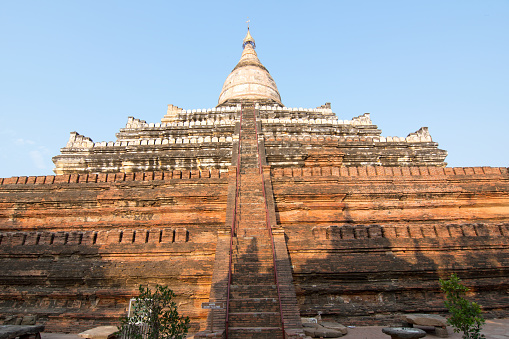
[(375, 240), (362, 241), (75, 248)]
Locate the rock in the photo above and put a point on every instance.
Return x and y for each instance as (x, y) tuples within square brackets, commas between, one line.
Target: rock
[(311, 325), (404, 332), (320, 331), (101, 332), (29, 320), (425, 320), (335, 326), (14, 331), (11, 320), (311, 320)]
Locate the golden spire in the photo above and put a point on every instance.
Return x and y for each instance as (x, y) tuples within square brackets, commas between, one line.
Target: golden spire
[(248, 39)]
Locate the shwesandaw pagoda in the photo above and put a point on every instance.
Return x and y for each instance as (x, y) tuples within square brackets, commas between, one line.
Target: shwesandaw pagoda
[(270, 212)]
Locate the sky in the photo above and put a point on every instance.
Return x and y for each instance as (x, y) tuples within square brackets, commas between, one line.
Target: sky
[(86, 66)]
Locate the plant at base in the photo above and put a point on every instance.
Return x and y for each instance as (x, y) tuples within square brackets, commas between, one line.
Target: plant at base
[(465, 315), (154, 316)]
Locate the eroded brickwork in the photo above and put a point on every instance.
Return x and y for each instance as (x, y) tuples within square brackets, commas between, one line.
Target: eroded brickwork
[(75, 248), (355, 243), (362, 241), (372, 241)]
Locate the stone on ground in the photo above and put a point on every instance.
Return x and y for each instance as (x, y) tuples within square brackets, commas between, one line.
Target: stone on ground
[(404, 332), (324, 329), (101, 332)]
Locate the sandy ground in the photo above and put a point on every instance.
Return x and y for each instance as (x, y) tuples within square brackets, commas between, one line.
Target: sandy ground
[(493, 329)]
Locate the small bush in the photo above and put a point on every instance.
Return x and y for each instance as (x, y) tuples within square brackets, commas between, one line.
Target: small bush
[(465, 315), (154, 315)]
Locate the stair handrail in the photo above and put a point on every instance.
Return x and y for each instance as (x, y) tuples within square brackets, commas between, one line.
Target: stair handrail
[(267, 222), (233, 228)]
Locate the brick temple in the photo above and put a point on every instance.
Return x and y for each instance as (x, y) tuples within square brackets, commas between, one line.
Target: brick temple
[(273, 212)]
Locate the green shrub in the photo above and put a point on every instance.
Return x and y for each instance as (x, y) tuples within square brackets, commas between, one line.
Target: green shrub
[(154, 316), (465, 315)]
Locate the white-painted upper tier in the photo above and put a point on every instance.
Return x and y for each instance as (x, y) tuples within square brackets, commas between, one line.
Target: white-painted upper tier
[(249, 79)]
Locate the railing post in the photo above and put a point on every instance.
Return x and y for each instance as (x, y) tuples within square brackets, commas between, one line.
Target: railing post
[(269, 228)]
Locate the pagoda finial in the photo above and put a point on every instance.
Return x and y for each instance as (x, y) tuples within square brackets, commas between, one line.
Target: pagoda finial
[(249, 80), (248, 39)]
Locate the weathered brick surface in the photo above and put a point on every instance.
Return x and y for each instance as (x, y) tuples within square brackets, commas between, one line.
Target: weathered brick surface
[(261, 301), (350, 242), (252, 257), (75, 251), (378, 244)]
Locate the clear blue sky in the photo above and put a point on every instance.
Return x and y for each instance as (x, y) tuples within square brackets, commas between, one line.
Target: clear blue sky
[(86, 66)]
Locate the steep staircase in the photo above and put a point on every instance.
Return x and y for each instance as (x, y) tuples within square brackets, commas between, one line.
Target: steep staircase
[(254, 302), (252, 273)]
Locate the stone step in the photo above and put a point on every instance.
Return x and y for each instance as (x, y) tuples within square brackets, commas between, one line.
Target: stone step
[(260, 240), (246, 269), (253, 259), (252, 194), (253, 264), (249, 256), (254, 319), (253, 291), (255, 333), (248, 162), (251, 174), (249, 242), (252, 232), (254, 226), (253, 278), (253, 304), (255, 212), (251, 165), (254, 197), (247, 225), (257, 255), (250, 189), (251, 201), (249, 146), (252, 253)]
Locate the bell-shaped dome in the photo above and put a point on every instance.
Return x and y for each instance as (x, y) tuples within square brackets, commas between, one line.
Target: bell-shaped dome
[(249, 80)]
